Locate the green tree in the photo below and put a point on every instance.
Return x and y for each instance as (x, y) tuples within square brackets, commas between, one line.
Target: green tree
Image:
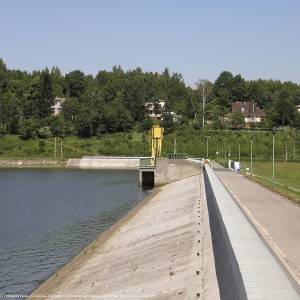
[(57, 126), (28, 128), (75, 83), (167, 123), (45, 97), (237, 120)]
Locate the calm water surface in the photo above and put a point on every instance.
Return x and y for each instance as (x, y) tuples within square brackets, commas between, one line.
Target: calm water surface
[(48, 216)]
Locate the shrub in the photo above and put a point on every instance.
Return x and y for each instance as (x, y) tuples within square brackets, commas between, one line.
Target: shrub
[(27, 128), (44, 132)]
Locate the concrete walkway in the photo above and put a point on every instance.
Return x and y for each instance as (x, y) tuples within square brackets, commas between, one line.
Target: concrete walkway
[(161, 250), (276, 219)]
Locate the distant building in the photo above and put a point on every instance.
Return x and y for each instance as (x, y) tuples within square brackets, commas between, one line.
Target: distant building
[(251, 112), (298, 108), (56, 108), (155, 109)]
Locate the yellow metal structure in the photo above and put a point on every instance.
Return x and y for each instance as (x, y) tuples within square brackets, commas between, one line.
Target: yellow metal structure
[(156, 142)]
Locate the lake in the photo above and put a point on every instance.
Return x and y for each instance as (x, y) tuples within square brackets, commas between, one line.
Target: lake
[(47, 216)]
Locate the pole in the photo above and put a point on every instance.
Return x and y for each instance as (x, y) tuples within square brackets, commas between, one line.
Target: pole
[(203, 106), (61, 148), (207, 147), (286, 150), (273, 160), (229, 151), (295, 150), (251, 154), (239, 152), (175, 142), (55, 147)]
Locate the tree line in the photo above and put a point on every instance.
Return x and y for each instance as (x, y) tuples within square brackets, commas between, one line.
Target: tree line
[(114, 101)]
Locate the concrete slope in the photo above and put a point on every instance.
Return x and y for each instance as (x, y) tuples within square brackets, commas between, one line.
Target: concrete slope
[(161, 251)]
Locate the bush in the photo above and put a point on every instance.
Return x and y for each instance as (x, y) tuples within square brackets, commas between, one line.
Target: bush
[(3, 130), (44, 132), (42, 145), (28, 128)]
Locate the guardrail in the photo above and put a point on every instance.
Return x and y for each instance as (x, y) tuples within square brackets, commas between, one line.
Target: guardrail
[(177, 156), (146, 162)]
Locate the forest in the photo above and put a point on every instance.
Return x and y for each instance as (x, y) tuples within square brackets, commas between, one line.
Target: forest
[(114, 101)]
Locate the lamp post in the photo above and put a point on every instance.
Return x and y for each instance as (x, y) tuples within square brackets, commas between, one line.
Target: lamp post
[(295, 149), (55, 146), (175, 143), (251, 155), (207, 145), (273, 158), (286, 149)]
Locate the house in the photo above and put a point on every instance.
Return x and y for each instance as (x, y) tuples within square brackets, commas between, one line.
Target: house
[(56, 108), (298, 108), (155, 109), (251, 112)]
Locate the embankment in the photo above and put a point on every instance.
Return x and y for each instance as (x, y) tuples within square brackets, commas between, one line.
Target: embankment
[(105, 162), (162, 249), (32, 163)]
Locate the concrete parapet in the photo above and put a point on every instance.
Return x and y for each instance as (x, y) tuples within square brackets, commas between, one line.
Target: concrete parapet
[(245, 267), (105, 162)]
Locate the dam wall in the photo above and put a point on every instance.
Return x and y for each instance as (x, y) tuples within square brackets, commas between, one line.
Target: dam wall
[(32, 163), (161, 250), (105, 162), (189, 240)]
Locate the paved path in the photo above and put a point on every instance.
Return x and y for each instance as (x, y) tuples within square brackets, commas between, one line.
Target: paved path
[(277, 219), (156, 252)]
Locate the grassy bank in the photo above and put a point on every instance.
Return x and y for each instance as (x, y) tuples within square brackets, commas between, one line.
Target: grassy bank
[(115, 144), (189, 141), (287, 176)]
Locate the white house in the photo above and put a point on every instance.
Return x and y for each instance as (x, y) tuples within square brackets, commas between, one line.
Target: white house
[(298, 108), (56, 108), (155, 109)]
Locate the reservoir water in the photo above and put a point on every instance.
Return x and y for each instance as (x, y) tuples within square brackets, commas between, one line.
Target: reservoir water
[(47, 216)]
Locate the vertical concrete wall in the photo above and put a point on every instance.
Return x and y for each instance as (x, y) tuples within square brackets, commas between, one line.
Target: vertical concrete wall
[(230, 280), (246, 269)]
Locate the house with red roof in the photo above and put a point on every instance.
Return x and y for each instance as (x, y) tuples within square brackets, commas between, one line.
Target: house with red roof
[(250, 111)]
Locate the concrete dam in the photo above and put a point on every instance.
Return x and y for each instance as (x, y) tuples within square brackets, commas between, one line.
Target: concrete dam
[(188, 240)]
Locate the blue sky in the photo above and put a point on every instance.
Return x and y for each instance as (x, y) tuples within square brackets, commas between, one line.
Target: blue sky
[(258, 39)]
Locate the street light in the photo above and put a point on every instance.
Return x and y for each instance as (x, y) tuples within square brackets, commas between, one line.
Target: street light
[(207, 145), (273, 159), (251, 154)]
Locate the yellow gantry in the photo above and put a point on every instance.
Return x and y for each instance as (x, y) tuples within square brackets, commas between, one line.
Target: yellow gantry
[(156, 142)]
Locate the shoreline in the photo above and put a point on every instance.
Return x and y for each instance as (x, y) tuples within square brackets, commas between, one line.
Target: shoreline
[(85, 163), (49, 284), (31, 163)]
